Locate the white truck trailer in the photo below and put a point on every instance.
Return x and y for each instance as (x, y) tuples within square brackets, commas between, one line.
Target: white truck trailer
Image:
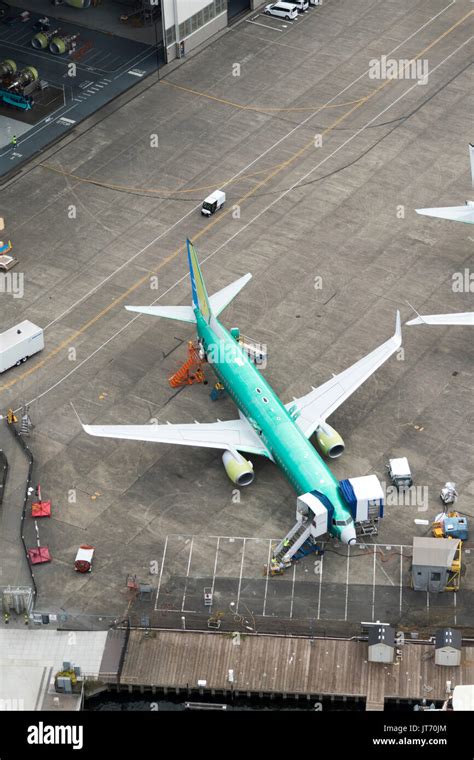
[(19, 343)]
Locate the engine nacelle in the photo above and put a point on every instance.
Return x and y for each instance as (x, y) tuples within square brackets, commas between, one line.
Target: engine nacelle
[(329, 441), (239, 470)]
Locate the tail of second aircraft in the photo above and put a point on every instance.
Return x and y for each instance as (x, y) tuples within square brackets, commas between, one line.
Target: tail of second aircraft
[(201, 302)]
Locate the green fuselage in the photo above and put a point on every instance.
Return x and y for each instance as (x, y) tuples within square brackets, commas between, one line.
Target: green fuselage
[(288, 446)]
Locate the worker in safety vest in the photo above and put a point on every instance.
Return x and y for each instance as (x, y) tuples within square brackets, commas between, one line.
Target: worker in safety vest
[(14, 141)]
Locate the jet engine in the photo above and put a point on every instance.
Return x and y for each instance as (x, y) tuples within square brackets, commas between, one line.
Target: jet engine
[(329, 441), (239, 470)]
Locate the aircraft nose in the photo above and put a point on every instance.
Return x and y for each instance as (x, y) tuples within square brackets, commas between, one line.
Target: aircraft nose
[(348, 535)]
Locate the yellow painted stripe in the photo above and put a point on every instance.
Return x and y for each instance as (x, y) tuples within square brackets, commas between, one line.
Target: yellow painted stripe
[(124, 296)]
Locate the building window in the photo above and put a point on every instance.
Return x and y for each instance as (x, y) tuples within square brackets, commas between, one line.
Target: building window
[(170, 35)]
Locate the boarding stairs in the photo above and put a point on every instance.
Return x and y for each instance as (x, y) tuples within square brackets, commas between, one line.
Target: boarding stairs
[(369, 527), (293, 540), (191, 371)]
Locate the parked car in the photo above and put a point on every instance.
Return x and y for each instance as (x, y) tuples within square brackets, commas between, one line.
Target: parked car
[(302, 5), (288, 11)]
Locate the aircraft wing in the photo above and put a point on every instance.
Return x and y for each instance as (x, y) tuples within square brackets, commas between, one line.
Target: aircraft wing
[(232, 434), (461, 318), (321, 402), (454, 213)]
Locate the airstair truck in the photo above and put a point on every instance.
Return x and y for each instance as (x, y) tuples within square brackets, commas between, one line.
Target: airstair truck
[(19, 343)]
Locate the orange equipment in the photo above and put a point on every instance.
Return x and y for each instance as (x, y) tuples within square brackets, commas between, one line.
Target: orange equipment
[(191, 371)]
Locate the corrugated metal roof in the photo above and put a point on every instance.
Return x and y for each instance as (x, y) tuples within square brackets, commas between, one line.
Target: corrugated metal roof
[(285, 665)]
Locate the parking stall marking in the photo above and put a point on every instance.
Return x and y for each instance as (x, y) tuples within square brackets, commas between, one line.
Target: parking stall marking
[(161, 573), (373, 582), (347, 580), (187, 573), (293, 590), (401, 578), (283, 596), (320, 566), (268, 575), (240, 574), (172, 568)]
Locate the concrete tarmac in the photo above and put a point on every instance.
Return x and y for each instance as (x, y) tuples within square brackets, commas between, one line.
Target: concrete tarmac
[(323, 167)]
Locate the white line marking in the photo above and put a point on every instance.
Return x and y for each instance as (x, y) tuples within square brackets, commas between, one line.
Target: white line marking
[(401, 577), (240, 576), (243, 228), (320, 584), (384, 572), (268, 575), (292, 591), (373, 583), (244, 169), (166, 609), (265, 26), (215, 566), (214, 573), (161, 573), (347, 580), (187, 573)]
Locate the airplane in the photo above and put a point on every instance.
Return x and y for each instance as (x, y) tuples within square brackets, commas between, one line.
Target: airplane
[(461, 318), (265, 425), (455, 213)]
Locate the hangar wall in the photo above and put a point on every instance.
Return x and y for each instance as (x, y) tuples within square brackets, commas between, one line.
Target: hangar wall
[(189, 23)]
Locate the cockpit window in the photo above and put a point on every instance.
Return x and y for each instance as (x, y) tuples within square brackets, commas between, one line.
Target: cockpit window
[(344, 522)]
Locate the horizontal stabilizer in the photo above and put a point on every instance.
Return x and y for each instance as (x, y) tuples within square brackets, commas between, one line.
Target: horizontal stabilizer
[(181, 313), (223, 297), (215, 303), (459, 318), (453, 213)]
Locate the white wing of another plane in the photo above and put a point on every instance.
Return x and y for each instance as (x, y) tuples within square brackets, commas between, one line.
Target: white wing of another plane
[(454, 213), (462, 318), (321, 402), (231, 434)]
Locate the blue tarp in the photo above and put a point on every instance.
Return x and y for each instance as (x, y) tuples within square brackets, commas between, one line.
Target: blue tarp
[(325, 502), (349, 496), (351, 499)]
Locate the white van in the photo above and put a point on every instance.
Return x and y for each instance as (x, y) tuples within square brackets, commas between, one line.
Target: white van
[(289, 11), (19, 343), (302, 5), (213, 202)]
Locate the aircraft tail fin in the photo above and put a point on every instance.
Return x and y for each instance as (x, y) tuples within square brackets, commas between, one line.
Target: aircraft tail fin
[(200, 297), (207, 306)]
